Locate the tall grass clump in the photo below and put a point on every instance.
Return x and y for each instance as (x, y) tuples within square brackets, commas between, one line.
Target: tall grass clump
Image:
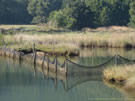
[(124, 75), (119, 73)]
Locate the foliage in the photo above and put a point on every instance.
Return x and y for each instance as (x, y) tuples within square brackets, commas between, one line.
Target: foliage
[(14, 12), (71, 14), (40, 9), (74, 16), (132, 13)]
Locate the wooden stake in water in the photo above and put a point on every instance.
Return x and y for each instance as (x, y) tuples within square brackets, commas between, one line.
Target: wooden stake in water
[(34, 53), (47, 63), (55, 70), (65, 67), (43, 61)]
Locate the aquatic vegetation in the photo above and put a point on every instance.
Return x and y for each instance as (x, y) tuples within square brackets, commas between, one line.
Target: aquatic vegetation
[(121, 75)]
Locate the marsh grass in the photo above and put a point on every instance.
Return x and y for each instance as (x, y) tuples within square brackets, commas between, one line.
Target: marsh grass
[(73, 39), (127, 73), (66, 41), (118, 74)]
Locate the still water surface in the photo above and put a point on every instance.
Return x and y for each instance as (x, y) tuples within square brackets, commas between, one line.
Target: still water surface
[(23, 82)]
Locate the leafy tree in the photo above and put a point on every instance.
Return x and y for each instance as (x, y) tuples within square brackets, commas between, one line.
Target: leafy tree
[(72, 14), (120, 12), (40, 9), (105, 16), (61, 19), (75, 16), (101, 11), (132, 14)]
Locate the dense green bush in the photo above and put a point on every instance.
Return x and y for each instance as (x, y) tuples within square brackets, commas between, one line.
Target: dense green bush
[(61, 19)]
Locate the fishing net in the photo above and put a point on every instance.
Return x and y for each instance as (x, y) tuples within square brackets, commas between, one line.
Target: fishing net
[(79, 73), (74, 68)]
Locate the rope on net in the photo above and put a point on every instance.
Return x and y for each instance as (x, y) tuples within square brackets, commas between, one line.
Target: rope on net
[(53, 61), (92, 66), (126, 58), (61, 65)]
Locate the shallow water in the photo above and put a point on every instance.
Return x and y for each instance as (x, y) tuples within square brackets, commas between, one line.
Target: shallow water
[(24, 82)]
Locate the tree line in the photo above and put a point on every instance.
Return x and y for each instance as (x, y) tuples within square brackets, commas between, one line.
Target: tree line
[(71, 14)]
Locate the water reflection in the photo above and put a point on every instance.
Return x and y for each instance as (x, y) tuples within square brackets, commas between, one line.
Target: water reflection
[(29, 83), (99, 55)]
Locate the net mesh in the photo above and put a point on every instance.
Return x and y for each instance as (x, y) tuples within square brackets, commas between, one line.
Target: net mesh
[(79, 73)]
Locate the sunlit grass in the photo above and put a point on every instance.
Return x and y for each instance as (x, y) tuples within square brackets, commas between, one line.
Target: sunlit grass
[(66, 40), (119, 74), (94, 38), (75, 40)]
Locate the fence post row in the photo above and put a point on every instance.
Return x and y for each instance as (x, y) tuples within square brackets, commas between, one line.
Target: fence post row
[(12, 53)]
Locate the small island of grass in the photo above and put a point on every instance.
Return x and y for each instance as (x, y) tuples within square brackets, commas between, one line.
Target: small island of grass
[(123, 76)]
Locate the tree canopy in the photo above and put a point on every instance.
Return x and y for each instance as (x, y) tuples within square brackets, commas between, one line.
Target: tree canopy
[(71, 14), (14, 12)]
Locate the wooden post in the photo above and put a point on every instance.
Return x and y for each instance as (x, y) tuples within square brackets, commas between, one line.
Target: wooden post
[(8, 52), (55, 69), (34, 57), (43, 61), (13, 53), (47, 63), (65, 67), (20, 58), (5, 50), (34, 54)]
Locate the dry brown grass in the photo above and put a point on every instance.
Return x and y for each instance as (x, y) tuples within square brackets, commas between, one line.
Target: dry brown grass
[(17, 26), (130, 84), (67, 40), (119, 73), (122, 73), (76, 40)]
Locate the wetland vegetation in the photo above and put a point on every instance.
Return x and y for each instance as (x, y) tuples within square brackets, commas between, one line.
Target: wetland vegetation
[(88, 32)]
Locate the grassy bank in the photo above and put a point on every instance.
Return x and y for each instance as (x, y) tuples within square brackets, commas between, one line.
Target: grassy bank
[(62, 41), (74, 39), (121, 75), (88, 38)]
